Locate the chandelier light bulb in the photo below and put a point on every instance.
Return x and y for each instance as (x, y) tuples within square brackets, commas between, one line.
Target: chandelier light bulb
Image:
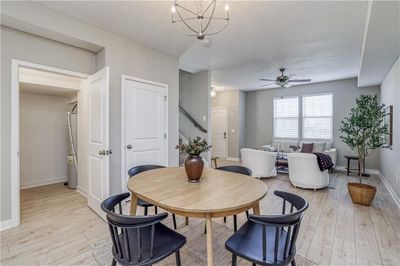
[(173, 9), (226, 7)]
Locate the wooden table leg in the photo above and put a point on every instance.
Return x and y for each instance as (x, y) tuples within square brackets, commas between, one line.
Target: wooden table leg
[(209, 241), (186, 220), (134, 201), (256, 209)]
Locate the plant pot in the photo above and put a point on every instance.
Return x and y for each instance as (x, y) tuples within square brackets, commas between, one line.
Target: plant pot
[(194, 165), (361, 193)]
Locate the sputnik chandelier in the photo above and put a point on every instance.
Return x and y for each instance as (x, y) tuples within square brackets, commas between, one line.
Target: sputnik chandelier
[(198, 18)]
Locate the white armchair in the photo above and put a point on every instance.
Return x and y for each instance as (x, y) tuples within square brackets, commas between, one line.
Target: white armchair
[(304, 171), (261, 163)]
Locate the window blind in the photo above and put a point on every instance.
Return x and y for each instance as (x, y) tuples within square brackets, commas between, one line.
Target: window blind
[(317, 116), (286, 117)]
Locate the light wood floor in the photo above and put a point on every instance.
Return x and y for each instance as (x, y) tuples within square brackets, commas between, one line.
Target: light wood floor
[(58, 229)]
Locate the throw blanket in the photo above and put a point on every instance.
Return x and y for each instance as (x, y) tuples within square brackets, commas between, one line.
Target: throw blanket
[(324, 161)]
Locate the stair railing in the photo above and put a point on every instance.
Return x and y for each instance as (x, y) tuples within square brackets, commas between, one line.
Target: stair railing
[(202, 129)]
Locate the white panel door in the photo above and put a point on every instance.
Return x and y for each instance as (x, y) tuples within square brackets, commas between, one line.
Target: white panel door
[(219, 125), (145, 124), (97, 87)]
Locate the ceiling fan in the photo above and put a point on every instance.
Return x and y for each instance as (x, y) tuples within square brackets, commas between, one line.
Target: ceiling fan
[(283, 80)]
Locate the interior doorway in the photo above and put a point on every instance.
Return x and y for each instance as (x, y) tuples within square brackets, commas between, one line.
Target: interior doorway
[(49, 133), (219, 136), (44, 140)]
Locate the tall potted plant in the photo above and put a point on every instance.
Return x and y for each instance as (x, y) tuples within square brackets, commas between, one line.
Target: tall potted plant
[(194, 163), (364, 131)]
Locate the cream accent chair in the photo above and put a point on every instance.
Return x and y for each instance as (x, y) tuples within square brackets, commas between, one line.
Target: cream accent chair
[(304, 171), (261, 163)]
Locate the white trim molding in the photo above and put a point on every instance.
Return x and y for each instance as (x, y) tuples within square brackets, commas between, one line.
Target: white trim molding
[(6, 224), (14, 155), (367, 171), (81, 191), (389, 188), (38, 183), (233, 159)]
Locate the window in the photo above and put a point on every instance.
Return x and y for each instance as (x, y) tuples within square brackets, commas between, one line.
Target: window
[(317, 116), (286, 117)]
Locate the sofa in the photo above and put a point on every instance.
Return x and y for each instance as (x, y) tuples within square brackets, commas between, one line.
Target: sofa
[(261, 163), (284, 146), (304, 171)]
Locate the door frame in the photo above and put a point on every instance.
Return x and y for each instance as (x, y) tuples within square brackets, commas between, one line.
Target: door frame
[(226, 127), (123, 124), (15, 171)]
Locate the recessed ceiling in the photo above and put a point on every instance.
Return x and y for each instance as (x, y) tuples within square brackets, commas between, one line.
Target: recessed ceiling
[(320, 40)]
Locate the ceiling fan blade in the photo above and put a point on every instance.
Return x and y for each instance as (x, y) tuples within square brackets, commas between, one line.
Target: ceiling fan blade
[(267, 79), (299, 80), (265, 85)]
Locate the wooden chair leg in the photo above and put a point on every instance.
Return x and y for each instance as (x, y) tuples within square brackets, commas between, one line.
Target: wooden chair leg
[(225, 219), (247, 214), (253, 264), (234, 223), (114, 262), (174, 220), (178, 258), (293, 263), (155, 209), (145, 210), (234, 258), (205, 228)]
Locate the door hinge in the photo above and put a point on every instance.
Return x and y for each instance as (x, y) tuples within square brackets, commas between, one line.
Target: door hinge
[(165, 135), (165, 98)]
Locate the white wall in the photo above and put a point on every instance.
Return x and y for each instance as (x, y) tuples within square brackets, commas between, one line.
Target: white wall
[(390, 159), (259, 112), (43, 139)]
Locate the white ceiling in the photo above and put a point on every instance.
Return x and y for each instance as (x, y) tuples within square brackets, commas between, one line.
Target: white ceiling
[(320, 40)]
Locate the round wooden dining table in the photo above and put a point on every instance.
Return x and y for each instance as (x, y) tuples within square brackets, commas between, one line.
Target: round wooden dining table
[(218, 194)]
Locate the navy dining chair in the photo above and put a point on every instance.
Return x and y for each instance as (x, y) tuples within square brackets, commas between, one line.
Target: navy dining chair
[(239, 170), (270, 239), (139, 240)]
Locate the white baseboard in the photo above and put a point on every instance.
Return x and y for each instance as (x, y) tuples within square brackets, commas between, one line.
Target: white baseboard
[(389, 188), (38, 183), (7, 224), (367, 171), (81, 190), (233, 159)]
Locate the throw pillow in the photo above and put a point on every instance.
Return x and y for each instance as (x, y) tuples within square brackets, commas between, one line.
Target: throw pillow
[(307, 147), (319, 146)]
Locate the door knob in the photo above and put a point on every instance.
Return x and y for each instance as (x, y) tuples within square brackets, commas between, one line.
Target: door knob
[(103, 152), (129, 146), (108, 152)]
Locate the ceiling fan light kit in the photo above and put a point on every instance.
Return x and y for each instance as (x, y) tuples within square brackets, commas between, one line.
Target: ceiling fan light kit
[(283, 80), (196, 21)]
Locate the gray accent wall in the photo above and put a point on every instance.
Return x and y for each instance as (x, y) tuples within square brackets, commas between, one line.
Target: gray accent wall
[(390, 159), (19, 45), (123, 56), (194, 97), (259, 112)]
